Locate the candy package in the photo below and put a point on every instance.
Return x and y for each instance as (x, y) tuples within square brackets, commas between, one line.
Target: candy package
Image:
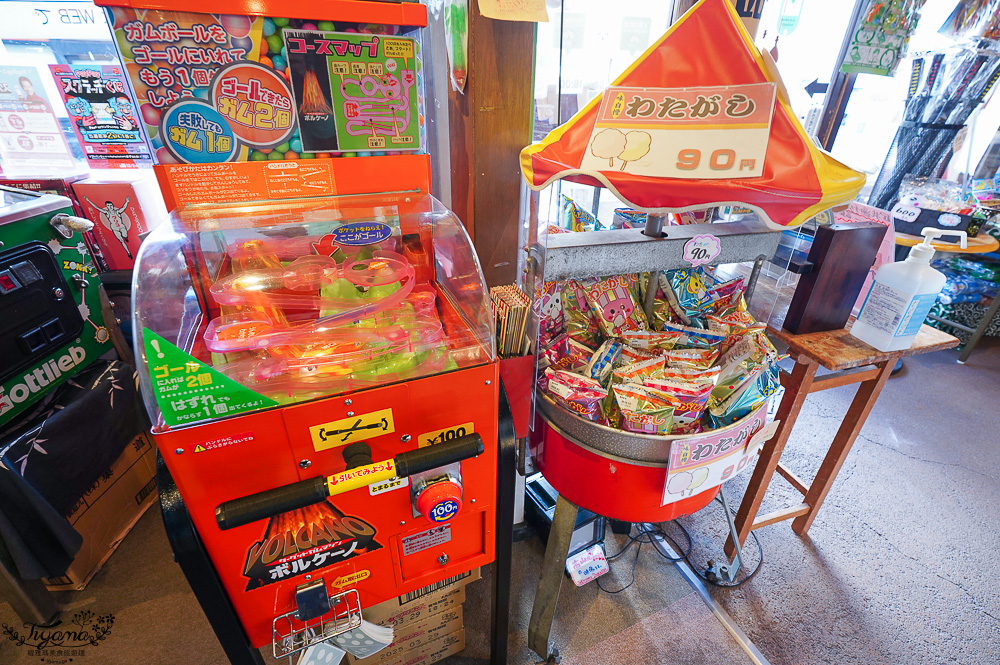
[(550, 312), (669, 308), (644, 410), (691, 289), (579, 394), (631, 355), (693, 358), (649, 340), (602, 362), (725, 295), (613, 302), (686, 337), (687, 398), (576, 218), (626, 218), (760, 384), (640, 371), (578, 319)]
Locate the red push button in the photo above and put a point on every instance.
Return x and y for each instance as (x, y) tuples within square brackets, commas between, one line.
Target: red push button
[(440, 502)]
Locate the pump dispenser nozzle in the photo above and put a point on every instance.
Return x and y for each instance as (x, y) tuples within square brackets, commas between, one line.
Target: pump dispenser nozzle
[(924, 251)]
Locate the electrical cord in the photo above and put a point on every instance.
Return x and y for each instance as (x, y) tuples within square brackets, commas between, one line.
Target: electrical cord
[(646, 536), (723, 585)]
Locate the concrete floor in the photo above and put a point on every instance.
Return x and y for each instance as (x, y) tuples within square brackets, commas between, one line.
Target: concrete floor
[(896, 569)]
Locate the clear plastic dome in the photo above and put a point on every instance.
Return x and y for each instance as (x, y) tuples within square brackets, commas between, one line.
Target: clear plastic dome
[(248, 306)]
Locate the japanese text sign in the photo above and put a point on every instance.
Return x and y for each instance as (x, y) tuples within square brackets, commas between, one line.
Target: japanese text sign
[(699, 463), (718, 132)]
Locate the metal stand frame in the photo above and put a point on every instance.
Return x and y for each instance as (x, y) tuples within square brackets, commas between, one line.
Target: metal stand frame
[(190, 554)]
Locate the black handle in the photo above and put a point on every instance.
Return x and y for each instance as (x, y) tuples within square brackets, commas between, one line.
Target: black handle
[(279, 500), (357, 454), (431, 457)]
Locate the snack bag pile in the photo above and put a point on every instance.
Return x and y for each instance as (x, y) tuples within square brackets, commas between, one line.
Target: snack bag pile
[(702, 362)]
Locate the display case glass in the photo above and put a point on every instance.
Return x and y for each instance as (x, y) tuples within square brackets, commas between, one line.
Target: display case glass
[(247, 306)]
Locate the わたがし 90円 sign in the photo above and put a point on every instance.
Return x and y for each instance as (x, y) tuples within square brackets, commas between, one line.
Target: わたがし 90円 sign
[(717, 132)]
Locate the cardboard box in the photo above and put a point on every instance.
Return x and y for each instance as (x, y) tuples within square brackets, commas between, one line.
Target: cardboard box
[(122, 206), (391, 614), (414, 635), (109, 510), (433, 651), (414, 606)]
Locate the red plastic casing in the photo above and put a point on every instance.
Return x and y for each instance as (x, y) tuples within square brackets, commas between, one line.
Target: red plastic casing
[(265, 452)]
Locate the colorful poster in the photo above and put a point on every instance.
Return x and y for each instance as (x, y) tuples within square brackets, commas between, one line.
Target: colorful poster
[(102, 115), (31, 140), (713, 133), (201, 95), (354, 92)]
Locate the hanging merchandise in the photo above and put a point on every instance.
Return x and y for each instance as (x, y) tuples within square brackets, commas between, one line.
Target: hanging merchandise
[(972, 18), (881, 37), (788, 18), (945, 88), (456, 28)]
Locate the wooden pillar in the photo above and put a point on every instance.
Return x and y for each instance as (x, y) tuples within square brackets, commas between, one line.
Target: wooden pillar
[(488, 126)]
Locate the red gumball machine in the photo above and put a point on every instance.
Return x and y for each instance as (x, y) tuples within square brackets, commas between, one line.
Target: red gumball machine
[(653, 378), (314, 333)]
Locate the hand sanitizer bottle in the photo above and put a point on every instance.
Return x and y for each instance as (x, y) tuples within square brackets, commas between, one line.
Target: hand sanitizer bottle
[(901, 296)]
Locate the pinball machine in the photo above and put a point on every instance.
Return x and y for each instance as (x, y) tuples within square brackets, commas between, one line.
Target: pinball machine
[(313, 330)]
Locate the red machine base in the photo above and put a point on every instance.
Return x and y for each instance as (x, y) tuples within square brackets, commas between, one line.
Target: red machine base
[(612, 487)]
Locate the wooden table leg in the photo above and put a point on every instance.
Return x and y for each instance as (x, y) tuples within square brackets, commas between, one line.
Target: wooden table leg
[(796, 388), (857, 414), (547, 595)]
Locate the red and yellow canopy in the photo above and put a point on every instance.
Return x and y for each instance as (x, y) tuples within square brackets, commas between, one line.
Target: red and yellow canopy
[(707, 47)]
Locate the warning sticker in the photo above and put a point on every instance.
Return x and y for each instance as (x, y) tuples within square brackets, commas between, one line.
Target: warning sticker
[(426, 539), (348, 430), (223, 442)]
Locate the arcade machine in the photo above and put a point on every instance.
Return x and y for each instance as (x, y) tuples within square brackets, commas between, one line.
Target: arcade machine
[(313, 329), (51, 328)]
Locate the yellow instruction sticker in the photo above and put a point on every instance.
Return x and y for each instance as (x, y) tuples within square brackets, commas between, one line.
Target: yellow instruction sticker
[(348, 430), (446, 434)]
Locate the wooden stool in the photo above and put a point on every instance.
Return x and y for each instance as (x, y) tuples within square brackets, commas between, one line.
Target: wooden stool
[(851, 361)]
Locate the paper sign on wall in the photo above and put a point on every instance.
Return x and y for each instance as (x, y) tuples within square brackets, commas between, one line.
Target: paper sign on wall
[(31, 140), (515, 10), (102, 115), (715, 133)]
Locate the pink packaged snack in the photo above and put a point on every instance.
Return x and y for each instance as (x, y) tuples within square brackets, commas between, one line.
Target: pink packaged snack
[(613, 303), (550, 312), (688, 399), (579, 394)]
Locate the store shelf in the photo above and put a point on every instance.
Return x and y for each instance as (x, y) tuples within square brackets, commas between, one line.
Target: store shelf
[(348, 11)]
